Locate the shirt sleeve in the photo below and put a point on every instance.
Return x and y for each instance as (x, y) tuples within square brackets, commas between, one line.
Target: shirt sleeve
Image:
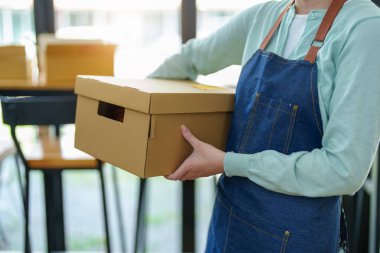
[(204, 56), (351, 135)]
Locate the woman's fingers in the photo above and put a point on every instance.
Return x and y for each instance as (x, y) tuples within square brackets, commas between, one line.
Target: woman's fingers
[(180, 172), (189, 136)]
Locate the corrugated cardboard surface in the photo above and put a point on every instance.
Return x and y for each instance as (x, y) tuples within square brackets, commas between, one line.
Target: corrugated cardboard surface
[(119, 95), (65, 62), (121, 144), (167, 148), (147, 143)]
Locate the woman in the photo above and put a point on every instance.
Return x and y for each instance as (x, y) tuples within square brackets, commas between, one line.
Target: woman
[(305, 127)]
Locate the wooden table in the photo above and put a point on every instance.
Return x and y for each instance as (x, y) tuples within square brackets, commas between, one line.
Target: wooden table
[(14, 88), (53, 179)]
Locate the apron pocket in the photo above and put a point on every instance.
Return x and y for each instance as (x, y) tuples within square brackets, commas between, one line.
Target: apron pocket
[(251, 235), (270, 125)]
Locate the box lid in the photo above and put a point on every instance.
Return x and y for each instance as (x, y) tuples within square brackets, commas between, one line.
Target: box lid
[(157, 96), (12, 50)]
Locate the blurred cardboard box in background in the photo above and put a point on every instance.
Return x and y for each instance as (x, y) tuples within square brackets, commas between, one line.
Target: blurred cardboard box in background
[(61, 60), (14, 64), (135, 124)]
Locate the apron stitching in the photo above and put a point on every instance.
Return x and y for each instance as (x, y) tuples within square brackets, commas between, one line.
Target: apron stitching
[(252, 116), (274, 123), (221, 202), (312, 96), (284, 60), (257, 228), (274, 108), (287, 135), (285, 242), (289, 62), (293, 120), (228, 230), (264, 54)]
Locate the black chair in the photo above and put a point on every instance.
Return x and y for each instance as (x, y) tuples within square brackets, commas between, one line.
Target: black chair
[(47, 111)]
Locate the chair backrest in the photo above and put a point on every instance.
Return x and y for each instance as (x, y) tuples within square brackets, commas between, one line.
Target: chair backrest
[(43, 110)]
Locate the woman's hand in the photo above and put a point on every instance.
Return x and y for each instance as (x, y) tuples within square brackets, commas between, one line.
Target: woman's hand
[(206, 160)]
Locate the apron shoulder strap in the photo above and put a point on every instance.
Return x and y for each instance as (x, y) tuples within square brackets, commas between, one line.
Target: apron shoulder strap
[(275, 26), (332, 12)]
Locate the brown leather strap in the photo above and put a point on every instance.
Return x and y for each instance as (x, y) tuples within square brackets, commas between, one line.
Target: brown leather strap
[(276, 25), (332, 12)]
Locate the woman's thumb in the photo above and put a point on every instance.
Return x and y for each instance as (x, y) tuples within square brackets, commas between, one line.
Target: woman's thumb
[(189, 136)]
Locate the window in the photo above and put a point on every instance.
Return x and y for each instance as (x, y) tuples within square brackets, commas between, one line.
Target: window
[(146, 31), (16, 21), (212, 15), (16, 27)]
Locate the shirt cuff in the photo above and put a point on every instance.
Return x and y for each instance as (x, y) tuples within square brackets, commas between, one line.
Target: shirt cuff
[(236, 165)]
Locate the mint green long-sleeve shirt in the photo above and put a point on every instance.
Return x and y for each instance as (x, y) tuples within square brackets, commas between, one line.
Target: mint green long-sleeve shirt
[(349, 94)]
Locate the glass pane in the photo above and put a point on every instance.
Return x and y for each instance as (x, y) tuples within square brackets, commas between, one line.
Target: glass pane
[(211, 15), (146, 31), (16, 27), (16, 21)]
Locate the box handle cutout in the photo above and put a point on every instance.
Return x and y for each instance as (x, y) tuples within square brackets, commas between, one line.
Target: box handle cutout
[(111, 111)]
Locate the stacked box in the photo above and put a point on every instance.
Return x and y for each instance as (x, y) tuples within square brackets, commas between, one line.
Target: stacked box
[(63, 62), (14, 64)]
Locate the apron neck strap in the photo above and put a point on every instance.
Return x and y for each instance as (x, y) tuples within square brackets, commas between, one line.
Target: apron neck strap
[(269, 36), (332, 12)]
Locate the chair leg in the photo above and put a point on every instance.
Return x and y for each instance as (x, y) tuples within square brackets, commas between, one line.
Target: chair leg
[(18, 170), (119, 211), (358, 220), (2, 234), (54, 210), (27, 248), (377, 215), (105, 213), (140, 224), (25, 200)]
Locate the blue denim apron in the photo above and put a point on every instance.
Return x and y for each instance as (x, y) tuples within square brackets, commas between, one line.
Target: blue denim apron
[(276, 108)]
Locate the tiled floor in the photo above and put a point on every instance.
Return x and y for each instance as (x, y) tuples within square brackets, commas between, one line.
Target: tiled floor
[(83, 216)]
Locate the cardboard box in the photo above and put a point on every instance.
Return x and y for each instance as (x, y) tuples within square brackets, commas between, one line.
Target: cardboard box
[(14, 64), (46, 39), (63, 62), (135, 124)]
